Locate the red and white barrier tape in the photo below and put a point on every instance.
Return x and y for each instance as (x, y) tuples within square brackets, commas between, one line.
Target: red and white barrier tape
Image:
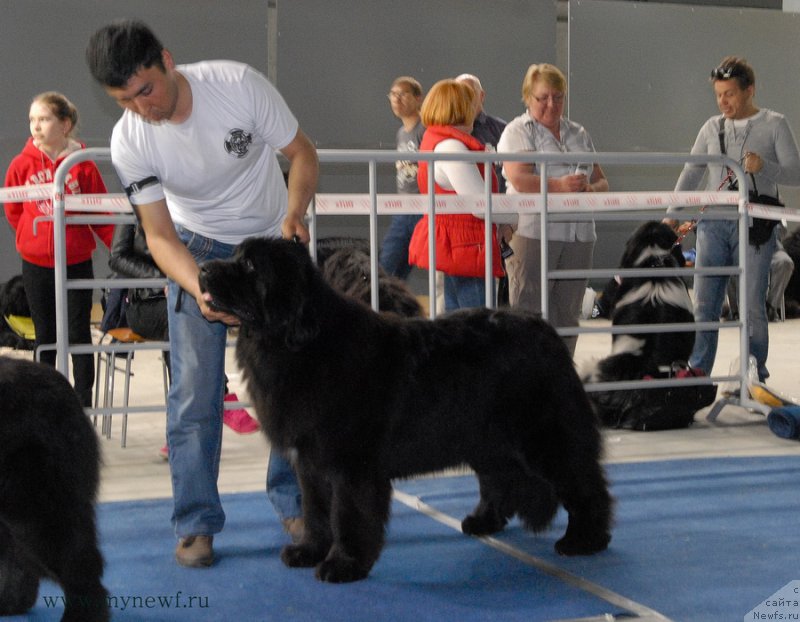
[(533, 203), (513, 203), (347, 204), (26, 193)]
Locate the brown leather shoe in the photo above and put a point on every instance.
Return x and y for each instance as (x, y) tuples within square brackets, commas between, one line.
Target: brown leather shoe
[(294, 527), (195, 551)]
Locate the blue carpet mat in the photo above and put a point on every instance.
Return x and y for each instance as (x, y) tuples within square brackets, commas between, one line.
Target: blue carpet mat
[(694, 540)]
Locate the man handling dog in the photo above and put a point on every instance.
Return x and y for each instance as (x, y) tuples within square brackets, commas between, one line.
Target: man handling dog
[(195, 151)]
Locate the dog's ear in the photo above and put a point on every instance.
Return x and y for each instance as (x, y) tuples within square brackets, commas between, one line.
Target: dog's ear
[(303, 327), (630, 253)]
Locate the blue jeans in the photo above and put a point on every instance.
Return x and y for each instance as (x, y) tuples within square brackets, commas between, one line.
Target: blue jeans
[(194, 407), (394, 248), (464, 292), (718, 245), (283, 489)]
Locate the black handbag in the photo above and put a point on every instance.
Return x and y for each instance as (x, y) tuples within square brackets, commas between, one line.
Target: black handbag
[(761, 229)]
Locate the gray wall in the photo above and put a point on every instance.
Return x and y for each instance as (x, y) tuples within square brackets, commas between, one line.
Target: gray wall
[(42, 45), (333, 62), (645, 86), (638, 71), (335, 67)]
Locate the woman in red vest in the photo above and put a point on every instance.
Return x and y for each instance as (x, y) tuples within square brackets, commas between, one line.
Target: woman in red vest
[(448, 112)]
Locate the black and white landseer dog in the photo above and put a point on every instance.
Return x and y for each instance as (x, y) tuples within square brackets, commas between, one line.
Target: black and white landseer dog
[(356, 398), (49, 472), (644, 300)]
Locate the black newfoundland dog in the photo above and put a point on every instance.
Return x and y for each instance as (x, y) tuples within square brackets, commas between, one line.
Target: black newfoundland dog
[(791, 296), (357, 398), (49, 472), (651, 299), (345, 264), (13, 302)]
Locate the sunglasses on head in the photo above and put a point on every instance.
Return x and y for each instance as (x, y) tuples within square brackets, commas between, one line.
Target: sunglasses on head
[(726, 73)]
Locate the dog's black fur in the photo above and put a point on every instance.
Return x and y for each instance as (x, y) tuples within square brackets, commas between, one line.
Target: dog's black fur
[(791, 296), (644, 300), (13, 301), (348, 271), (49, 472), (345, 264), (357, 398)]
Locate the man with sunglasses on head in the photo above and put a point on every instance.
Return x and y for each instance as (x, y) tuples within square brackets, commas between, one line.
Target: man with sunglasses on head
[(763, 143)]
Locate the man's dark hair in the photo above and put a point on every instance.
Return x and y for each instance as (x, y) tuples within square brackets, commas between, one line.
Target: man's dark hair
[(117, 51)]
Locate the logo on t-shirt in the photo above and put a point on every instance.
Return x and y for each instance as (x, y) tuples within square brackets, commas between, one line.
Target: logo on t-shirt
[(238, 142)]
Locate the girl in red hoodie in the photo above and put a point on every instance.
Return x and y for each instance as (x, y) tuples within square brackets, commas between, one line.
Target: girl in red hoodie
[(53, 121)]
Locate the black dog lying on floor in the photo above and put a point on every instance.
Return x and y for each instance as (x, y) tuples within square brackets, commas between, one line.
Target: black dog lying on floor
[(13, 301), (357, 398), (345, 264), (655, 300), (49, 472)]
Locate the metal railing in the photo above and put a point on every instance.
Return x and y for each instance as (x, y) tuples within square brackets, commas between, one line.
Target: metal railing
[(492, 205)]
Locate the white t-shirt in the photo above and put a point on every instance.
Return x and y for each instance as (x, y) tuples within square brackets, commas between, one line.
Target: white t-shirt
[(217, 170)]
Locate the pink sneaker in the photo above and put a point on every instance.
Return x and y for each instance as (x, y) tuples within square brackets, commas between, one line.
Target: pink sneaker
[(164, 453), (239, 420)]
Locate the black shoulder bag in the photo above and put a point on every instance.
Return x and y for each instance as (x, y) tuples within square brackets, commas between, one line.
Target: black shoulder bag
[(761, 229)]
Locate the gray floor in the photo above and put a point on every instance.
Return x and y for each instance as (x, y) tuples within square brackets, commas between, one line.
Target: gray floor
[(137, 471)]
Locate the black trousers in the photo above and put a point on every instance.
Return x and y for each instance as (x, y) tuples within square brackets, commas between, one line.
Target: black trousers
[(40, 290)]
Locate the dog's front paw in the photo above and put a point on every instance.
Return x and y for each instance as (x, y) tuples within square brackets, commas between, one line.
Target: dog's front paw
[(19, 589), (341, 570), (588, 544), (301, 556), (482, 524)]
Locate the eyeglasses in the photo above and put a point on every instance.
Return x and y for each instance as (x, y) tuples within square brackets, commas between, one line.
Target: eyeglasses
[(556, 99), (726, 73), (398, 94)]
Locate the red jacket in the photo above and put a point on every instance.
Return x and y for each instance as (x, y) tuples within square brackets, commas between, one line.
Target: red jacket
[(460, 248), (32, 167)]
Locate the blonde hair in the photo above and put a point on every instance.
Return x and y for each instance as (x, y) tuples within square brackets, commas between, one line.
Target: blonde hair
[(542, 72), (449, 102), (61, 107)]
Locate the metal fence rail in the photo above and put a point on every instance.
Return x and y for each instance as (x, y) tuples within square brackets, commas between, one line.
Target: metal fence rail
[(549, 206)]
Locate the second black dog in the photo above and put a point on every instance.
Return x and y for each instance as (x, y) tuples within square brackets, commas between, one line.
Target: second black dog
[(13, 302), (49, 472)]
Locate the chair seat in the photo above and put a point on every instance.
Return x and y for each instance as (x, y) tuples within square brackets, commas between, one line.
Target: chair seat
[(22, 325), (125, 335)]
